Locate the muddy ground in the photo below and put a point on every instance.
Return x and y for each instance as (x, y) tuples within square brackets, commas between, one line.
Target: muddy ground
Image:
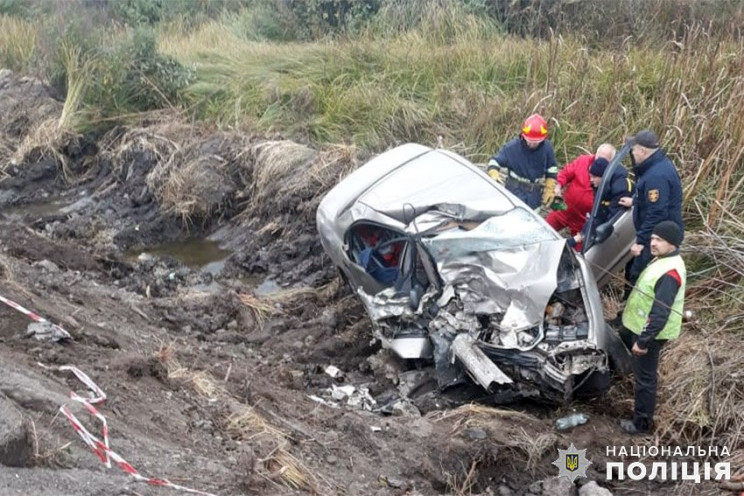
[(215, 369)]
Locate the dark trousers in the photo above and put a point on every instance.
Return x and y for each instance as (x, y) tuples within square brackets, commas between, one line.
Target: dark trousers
[(530, 194), (645, 370), (633, 269)]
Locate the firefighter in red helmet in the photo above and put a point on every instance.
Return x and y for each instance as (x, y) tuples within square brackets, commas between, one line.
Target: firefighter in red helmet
[(526, 165)]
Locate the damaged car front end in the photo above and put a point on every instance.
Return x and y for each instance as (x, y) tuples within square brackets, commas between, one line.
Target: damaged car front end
[(454, 269)]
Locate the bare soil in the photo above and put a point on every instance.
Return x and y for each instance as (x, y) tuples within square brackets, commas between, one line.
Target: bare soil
[(210, 384)]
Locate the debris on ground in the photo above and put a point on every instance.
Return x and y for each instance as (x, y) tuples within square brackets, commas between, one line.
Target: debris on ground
[(565, 423), (214, 383)]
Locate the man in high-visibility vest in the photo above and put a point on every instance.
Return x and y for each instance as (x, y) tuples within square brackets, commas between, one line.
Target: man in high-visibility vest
[(653, 316)]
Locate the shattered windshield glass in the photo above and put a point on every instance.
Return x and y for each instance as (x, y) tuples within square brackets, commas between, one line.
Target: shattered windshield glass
[(516, 227)]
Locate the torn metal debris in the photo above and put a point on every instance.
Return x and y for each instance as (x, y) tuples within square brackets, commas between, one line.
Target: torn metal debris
[(453, 269)]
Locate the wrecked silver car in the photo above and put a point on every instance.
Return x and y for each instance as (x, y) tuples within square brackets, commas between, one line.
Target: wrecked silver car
[(453, 268)]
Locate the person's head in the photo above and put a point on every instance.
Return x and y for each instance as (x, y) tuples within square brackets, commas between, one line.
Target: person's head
[(597, 170), (665, 238), (534, 130), (605, 151), (643, 145)]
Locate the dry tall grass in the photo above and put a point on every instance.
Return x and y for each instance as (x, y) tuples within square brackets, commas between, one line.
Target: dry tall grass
[(510, 429), (47, 137), (460, 77), (278, 165), (5, 273), (260, 308), (18, 42)]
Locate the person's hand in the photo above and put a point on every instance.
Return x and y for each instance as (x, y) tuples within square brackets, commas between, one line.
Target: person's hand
[(638, 351), (636, 249), (579, 238), (626, 202), (498, 175), (558, 190), (549, 192)]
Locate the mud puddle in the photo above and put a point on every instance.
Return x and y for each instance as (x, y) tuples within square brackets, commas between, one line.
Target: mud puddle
[(212, 390), (208, 258), (48, 207), (262, 286), (198, 254)]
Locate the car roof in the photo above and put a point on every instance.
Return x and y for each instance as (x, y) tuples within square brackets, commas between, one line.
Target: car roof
[(434, 178), (415, 176)]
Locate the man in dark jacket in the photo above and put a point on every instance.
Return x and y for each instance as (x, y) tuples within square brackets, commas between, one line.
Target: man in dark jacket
[(653, 316), (526, 165), (619, 187), (658, 198)]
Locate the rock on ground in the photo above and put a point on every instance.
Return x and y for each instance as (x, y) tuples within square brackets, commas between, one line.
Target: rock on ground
[(593, 489), (557, 486), (15, 445)]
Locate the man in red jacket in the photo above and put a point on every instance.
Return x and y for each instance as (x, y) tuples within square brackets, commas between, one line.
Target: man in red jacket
[(579, 195)]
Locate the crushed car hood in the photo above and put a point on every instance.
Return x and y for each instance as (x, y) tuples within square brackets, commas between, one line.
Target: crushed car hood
[(517, 282), (505, 265)]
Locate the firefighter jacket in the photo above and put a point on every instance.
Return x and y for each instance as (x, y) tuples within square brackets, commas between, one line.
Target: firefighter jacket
[(525, 163)]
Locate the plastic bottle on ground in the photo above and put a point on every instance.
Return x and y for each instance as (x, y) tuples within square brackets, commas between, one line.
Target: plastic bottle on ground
[(571, 421)]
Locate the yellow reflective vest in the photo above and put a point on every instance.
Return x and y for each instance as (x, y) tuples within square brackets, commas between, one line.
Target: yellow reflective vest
[(641, 299)]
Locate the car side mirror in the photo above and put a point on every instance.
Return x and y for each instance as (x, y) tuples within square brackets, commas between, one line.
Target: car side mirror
[(603, 232)]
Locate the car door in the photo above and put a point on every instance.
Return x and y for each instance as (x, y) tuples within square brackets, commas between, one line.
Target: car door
[(607, 249)]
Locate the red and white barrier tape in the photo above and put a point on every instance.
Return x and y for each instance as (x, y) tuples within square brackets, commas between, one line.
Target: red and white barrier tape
[(33, 316), (102, 448)]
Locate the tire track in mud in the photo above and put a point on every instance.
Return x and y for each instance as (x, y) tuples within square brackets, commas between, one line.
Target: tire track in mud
[(209, 381)]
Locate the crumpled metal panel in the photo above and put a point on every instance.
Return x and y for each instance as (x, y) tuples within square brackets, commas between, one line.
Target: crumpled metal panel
[(387, 304), (490, 270), (495, 272), (431, 180), (480, 367), (450, 215)]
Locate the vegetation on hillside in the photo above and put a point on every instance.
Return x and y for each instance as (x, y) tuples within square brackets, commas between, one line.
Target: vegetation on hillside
[(374, 73)]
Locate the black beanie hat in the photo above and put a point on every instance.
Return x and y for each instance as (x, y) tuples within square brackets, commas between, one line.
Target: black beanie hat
[(598, 167), (669, 231)]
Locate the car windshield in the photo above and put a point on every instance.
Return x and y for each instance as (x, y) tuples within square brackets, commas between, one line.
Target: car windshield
[(517, 227)]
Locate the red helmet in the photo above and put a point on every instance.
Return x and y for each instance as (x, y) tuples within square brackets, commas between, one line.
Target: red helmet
[(535, 128)]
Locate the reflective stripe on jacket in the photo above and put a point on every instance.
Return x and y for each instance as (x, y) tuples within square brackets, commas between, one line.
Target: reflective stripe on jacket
[(523, 162)]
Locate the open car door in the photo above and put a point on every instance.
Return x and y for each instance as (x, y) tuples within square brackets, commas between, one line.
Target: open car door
[(607, 247)]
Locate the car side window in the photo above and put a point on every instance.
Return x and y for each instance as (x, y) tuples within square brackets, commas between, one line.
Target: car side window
[(377, 250)]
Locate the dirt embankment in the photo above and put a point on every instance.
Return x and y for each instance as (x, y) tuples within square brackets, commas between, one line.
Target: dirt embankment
[(210, 384)]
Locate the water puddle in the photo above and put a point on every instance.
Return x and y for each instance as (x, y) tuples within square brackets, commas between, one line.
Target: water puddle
[(261, 286), (206, 256), (199, 254), (51, 206)]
